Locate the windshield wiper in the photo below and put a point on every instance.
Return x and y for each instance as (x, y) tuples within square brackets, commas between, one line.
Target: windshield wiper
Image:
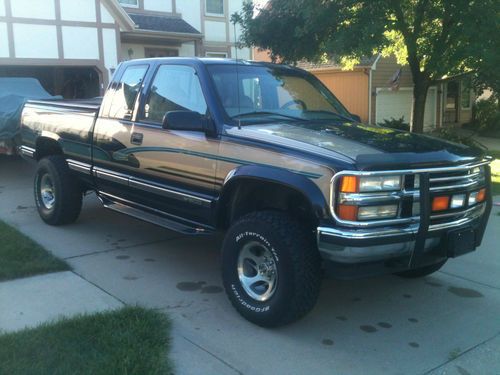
[(266, 113), (338, 115)]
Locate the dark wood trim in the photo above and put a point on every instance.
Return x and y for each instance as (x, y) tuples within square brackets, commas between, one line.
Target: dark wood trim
[(10, 29), (60, 45), (56, 22)]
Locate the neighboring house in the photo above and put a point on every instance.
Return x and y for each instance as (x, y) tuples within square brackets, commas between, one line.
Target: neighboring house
[(378, 89), (74, 46)]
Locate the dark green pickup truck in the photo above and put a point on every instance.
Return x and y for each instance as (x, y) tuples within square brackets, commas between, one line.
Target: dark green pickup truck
[(266, 154)]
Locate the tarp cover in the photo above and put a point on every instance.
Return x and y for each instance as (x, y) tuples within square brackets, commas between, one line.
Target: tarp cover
[(14, 92)]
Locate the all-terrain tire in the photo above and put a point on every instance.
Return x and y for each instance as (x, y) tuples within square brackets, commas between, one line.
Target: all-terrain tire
[(294, 256), (58, 194), (422, 271)]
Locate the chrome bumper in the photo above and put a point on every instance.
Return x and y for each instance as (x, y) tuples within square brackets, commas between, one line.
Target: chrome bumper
[(352, 245)]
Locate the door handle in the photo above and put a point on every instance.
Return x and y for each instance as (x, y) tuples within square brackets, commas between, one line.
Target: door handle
[(136, 138)]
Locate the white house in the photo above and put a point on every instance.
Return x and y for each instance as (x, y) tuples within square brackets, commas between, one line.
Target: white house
[(73, 46)]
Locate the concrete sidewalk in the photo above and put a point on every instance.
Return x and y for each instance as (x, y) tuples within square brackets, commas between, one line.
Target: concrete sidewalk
[(445, 323), (25, 303)]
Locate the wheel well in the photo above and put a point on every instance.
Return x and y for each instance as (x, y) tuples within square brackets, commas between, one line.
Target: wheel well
[(250, 195), (46, 147)]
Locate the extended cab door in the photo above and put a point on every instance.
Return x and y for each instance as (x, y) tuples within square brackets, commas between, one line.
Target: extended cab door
[(166, 170)]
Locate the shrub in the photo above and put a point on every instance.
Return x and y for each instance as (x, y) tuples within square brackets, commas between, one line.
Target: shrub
[(399, 124), (452, 136), (487, 117)]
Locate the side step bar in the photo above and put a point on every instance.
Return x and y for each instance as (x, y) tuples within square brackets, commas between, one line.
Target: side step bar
[(153, 218)]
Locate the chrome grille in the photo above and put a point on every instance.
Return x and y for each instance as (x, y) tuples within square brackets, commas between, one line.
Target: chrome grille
[(469, 178)]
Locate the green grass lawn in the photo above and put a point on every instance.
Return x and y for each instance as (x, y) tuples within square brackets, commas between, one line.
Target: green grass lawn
[(495, 172), (129, 341), (21, 257)]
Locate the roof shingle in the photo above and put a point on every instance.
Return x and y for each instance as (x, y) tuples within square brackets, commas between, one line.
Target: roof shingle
[(168, 24)]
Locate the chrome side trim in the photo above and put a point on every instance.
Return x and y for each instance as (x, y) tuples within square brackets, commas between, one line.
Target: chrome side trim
[(78, 166), (111, 176), (136, 183), (27, 151), (157, 189)]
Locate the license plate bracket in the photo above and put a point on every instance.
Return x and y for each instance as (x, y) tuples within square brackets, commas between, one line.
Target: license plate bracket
[(461, 242)]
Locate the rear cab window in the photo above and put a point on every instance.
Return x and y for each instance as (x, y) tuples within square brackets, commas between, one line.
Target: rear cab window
[(174, 88), (122, 95)]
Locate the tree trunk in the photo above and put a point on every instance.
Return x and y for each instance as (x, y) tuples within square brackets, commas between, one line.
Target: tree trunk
[(418, 110)]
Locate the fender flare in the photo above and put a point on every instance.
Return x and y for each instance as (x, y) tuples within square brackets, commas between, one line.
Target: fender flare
[(280, 176)]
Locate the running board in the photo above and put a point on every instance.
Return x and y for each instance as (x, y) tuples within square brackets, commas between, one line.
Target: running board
[(155, 218)]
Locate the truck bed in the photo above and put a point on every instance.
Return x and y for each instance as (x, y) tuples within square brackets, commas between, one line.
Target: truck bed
[(69, 123)]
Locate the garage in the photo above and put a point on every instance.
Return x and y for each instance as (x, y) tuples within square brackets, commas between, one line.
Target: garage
[(397, 104), (69, 82)]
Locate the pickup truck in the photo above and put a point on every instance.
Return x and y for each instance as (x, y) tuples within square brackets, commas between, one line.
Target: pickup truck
[(268, 156)]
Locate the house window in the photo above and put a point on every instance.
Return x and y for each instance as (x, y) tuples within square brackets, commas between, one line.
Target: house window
[(215, 7), (217, 55), (465, 95), (130, 3)]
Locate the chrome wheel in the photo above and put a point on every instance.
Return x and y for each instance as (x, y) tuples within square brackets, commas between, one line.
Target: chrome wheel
[(257, 271), (47, 194)]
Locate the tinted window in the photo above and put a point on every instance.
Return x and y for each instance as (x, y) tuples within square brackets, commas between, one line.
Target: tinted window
[(126, 91), (174, 88), (273, 90)]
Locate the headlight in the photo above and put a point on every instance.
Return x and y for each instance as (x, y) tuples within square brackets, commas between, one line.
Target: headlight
[(382, 183), (353, 184), (378, 212)]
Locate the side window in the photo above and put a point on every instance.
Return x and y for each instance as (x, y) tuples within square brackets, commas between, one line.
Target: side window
[(174, 88), (126, 91)]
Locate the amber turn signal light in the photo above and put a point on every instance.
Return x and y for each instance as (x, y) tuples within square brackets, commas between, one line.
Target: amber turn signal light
[(349, 184), (440, 203), (347, 212), (481, 195)]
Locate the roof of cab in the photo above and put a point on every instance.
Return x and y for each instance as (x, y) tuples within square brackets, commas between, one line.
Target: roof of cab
[(210, 61)]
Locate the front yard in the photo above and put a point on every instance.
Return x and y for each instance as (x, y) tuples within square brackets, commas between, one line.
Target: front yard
[(128, 341), (22, 257)]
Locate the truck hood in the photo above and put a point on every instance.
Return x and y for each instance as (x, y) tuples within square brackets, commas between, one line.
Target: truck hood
[(366, 145)]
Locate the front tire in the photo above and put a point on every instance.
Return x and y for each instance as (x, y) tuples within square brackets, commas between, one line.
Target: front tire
[(58, 194), (271, 268)]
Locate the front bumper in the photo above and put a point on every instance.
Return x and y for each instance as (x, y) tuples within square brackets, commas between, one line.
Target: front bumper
[(353, 253)]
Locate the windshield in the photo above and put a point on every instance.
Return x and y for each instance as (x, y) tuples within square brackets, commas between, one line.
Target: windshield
[(267, 93)]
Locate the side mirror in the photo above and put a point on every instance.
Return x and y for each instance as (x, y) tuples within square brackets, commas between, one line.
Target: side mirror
[(355, 117), (184, 120)]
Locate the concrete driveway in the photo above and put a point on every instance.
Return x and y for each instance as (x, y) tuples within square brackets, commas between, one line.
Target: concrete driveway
[(447, 323)]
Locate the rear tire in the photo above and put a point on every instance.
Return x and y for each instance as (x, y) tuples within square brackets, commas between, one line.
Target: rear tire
[(58, 194), (271, 268), (422, 271)]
